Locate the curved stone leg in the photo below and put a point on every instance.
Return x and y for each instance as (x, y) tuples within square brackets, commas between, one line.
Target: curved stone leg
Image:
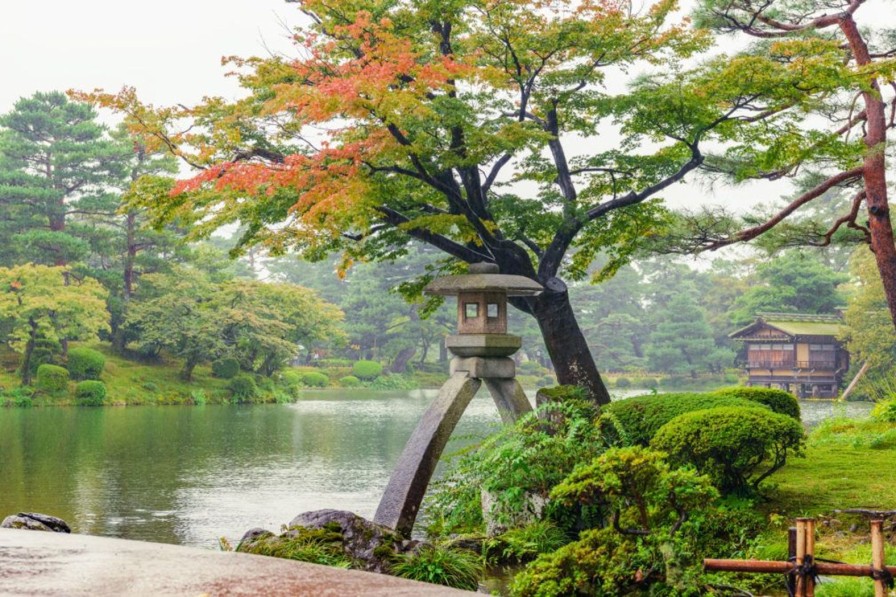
[(509, 398), (404, 493)]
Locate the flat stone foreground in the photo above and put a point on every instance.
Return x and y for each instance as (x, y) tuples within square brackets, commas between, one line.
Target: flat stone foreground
[(43, 563)]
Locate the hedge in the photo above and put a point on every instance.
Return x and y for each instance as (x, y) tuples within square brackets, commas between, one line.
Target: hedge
[(634, 421), (90, 393), (85, 363), (349, 381), (315, 379), (243, 388), (52, 378), (781, 402), (226, 368), (367, 370), (736, 447)]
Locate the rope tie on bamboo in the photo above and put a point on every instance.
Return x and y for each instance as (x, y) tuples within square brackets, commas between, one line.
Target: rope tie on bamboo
[(806, 569), (884, 575)]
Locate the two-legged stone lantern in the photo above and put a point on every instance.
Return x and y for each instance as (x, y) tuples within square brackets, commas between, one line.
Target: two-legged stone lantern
[(481, 349)]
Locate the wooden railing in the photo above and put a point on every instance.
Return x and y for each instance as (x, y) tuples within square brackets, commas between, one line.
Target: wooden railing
[(791, 364)]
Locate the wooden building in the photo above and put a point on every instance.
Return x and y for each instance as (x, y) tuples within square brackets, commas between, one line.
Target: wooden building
[(795, 352)]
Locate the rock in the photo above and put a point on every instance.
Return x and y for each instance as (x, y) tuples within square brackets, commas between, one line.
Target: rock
[(370, 544), (34, 521), (252, 535)]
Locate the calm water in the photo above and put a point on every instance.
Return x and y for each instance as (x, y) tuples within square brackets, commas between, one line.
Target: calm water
[(189, 475)]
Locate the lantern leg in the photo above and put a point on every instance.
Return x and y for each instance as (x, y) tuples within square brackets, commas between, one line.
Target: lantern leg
[(401, 501), (509, 398)]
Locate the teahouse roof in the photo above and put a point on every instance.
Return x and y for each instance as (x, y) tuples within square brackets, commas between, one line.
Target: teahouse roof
[(794, 324), (483, 277)]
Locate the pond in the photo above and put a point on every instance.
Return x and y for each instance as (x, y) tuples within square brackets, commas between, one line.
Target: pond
[(189, 475)]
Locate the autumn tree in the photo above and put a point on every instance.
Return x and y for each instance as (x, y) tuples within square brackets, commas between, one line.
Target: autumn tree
[(830, 137), (454, 123), (44, 304)]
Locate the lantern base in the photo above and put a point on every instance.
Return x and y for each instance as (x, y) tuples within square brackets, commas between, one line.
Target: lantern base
[(483, 345)]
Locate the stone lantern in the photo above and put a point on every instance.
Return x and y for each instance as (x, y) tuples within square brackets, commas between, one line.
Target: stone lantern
[(481, 349)]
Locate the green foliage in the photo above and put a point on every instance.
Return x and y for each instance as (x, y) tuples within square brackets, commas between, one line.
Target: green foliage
[(623, 382), (90, 393), (318, 546), (52, 378), (20, 397), (737, 447), (243, 388), (349, 381), (516, 463), (781, 402), (651, 544), (456, 568), (635, 420), (226, 368), (315, 379), (85, 363), (367, 370), (885, 411), (291, 378), (524, 543), (392, 381)]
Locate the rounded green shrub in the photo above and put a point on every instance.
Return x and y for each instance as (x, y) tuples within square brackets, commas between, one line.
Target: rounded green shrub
[(623, 382), (367, 370), (243, 388), (736, 447), (52, 378), (290, 378), (781, 402), (85, 363), (349, 381), (90, 393), (226, 368), (315, 379), (634, 421)]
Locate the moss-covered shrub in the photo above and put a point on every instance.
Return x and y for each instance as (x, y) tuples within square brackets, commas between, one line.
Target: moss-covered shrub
[(736, 447), (349, 381), (315, 379), (52, 378), (243, 388), (226, 368), (634, 421), (85, 363), (367, 370), (318, 546), (90, 393), (781, 402)]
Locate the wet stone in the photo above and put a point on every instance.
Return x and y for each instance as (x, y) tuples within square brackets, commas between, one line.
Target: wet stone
[(35, 521)]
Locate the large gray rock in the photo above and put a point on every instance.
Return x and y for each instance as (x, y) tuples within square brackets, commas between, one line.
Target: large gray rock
[(34, 521)]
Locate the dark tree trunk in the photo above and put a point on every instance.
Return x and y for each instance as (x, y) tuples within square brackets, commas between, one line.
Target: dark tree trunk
[(401, 360), (565, 342), (186, 374), (29, 351)]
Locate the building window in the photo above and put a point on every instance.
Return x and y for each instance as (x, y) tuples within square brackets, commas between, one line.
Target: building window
[(770, 355), (491, 310), (822, 356), (471, 310)]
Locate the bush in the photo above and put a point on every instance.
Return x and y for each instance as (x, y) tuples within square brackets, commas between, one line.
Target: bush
[(885, 411), (334, 362), (52, 378), (781, 402), (46, 352), (315, 379), (90, 393), (85, 363), (456, 568), (736, 447), (226, 368), (634, 421), (243, 388), (623, 382), (349, 381), (291, 379), (530, 367), (367, 370)]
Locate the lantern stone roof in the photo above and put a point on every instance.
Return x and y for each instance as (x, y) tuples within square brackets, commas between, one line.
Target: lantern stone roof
[(483, 277)]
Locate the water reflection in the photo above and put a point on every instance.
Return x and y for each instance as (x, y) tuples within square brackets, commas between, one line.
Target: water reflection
[(191, 474)]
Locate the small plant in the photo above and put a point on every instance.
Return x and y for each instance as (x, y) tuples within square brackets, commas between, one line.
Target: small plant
[(198, 397), (90, 393), (349, 381), (315, 379), (243, 388), (52, 378), (885, 411), (85, 363), (456, 568), (226, 368), (367, 370), (524, 543)]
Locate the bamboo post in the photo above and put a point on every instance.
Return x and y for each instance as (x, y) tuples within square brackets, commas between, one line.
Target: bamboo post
[(877, 556), (810, 553), (791, 557), (800, 555)]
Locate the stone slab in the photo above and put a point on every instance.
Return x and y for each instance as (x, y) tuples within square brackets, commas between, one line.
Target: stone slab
[(51, 564), (482, 367), (483, 345)]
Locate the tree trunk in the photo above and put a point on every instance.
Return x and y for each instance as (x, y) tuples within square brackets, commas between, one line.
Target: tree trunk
[(186, 374), (401, 360), (565, 342), (29, 350)]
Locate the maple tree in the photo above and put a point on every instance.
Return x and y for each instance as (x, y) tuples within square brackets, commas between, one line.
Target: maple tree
[(471, 125)]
